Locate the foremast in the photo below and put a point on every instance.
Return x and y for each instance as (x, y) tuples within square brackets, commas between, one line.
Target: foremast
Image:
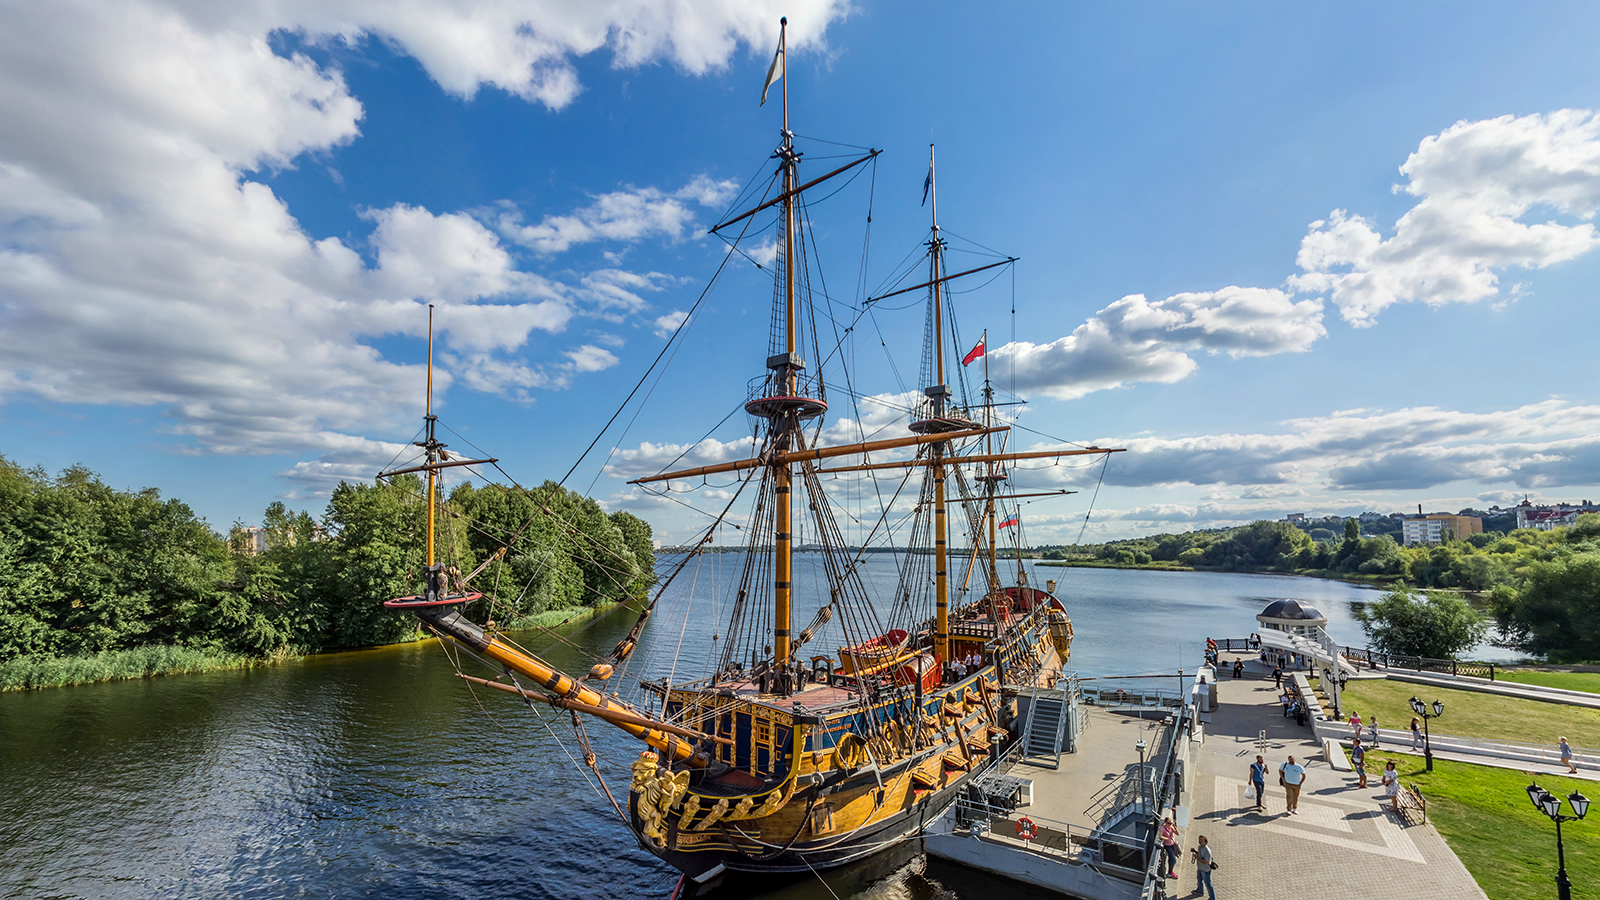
[(438, 607)]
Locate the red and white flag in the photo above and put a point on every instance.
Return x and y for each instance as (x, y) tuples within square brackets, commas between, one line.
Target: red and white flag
[(972, 354)]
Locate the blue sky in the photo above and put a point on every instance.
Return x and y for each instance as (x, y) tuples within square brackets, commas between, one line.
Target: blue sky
[(1319, 261)]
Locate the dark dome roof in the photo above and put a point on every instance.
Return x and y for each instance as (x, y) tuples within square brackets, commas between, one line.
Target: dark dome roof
[(1291, 609)]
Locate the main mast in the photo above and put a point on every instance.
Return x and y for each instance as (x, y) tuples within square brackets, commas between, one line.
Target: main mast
[(789, 364), (939, 393)]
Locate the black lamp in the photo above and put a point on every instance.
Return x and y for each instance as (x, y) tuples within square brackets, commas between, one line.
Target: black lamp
[(1421, 709), (1550, 805)]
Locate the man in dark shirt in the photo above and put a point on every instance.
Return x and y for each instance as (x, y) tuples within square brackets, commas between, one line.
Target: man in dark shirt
[(1258, 780)]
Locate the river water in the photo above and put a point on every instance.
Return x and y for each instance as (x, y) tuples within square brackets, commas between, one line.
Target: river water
[(377, 773)]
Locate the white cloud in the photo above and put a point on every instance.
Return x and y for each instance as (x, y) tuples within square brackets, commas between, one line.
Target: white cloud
[(626, 215), (1135, 340), (615, 291), (667, 324), (140, 265), (1476, 182), (589, 358), (1544, 444), (526, 49)]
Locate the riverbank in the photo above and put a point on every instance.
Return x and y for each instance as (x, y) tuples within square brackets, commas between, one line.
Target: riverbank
[(31, 673), (1163, 566)]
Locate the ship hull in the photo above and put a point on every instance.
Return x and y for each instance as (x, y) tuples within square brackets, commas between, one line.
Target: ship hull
[(844, 815)]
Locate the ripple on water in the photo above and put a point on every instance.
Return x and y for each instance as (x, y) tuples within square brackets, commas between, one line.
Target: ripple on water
[(376, 773)]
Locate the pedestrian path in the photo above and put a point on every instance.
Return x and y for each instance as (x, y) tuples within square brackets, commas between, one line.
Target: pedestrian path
[(1534, 759), (1344, 840), (1499, 755), (1504, 688)]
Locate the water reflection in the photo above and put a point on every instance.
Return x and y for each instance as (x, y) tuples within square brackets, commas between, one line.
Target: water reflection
[(379, 773)]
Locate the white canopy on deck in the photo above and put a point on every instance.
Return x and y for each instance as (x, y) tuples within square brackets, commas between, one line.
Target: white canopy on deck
[(1324, 651)]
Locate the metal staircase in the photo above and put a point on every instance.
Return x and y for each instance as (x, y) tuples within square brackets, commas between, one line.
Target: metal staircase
[(1050, 716)]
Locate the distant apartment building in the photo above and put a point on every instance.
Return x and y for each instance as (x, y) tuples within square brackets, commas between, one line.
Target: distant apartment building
[(1435, 528), (1296, 518), (255, 540), (1544, 518)]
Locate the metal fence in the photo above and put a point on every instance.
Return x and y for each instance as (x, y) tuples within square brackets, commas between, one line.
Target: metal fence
[(1373, 659), (1155, 882), (1112, 853)]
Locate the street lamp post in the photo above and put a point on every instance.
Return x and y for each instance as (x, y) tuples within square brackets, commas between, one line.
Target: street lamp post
[(1550, 805), (1140, 747), (1421, 709)]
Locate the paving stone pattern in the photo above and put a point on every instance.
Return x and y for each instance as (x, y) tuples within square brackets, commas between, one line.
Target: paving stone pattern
[(1343, 843)]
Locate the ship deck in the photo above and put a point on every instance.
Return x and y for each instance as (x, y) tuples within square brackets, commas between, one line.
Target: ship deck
[(1071, 804)]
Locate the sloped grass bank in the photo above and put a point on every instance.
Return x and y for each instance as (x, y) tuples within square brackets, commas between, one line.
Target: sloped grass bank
[(32, 672), (1485, 816), (29, 673), (1491, 717), (1571, 681)]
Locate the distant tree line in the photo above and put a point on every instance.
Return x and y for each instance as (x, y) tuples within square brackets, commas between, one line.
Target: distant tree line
[(87, 569), (1543, 587)]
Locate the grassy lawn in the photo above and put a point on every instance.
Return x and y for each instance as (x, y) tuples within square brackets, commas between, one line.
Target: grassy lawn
[(1485, 816), (1571, 681), (1471, 714)]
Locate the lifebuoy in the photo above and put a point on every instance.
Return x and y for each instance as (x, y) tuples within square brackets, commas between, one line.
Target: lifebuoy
[(1027, 829)]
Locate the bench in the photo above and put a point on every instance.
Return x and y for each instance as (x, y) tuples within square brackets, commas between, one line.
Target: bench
[(1333, 752), (1412, 803)]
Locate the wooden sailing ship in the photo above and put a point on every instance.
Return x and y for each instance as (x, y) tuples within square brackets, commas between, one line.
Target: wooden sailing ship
[(787, 757)]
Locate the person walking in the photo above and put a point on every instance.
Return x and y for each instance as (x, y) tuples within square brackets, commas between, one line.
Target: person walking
[(1203, 864), (1169, 846), (1277, 676), (1355, 724), (1258, 780), (1391, 786), (1358, 759), (1372, 732), (1566, 756), (1416, 734), (1291, 775)]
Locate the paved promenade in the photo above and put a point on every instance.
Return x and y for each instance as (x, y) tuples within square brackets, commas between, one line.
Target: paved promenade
[(1343, 843)]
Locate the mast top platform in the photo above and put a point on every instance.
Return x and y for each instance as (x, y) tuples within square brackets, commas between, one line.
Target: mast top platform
[(942, 424)]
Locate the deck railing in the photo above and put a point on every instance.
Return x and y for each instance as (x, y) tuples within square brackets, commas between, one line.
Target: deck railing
[(1376, 659), (1112, 853)]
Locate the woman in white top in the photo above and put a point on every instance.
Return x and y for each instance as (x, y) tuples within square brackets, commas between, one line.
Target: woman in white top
[(1391, 786)]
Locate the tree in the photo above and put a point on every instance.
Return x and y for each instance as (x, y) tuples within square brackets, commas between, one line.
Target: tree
[(1352, 530), (1410, 623), (1259, 545), (1557, 610)]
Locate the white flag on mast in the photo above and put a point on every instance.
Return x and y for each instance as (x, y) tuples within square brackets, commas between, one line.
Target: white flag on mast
[(774, 71)]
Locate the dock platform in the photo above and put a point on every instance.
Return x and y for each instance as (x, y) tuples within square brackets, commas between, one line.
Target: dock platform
[(1092, 808), (1094, 811)]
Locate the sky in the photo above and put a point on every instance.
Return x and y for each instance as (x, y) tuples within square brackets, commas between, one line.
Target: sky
[(1293, 260)]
